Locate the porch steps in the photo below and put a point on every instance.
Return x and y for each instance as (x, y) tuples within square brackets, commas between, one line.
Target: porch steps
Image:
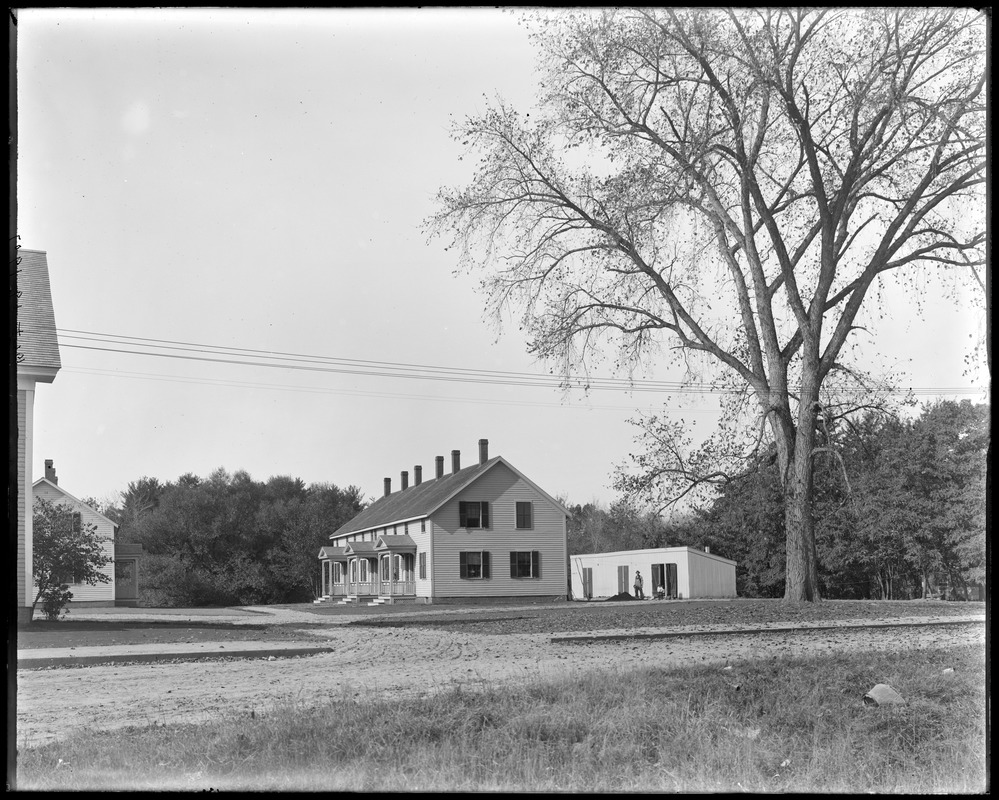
[(381, 601)]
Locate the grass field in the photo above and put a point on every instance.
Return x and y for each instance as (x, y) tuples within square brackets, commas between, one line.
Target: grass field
[(767, 724)]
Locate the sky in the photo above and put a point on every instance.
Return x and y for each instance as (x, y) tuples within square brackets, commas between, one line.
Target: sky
[(231, 203)]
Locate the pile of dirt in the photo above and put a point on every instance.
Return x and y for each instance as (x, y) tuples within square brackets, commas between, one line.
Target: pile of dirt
[(621, 596)]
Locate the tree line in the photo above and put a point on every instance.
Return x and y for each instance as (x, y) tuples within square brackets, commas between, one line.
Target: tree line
[(228, 539), (900, 512)]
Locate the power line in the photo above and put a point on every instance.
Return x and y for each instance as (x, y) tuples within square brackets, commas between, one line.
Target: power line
[(240, 356), (314, 363), (358, 393)]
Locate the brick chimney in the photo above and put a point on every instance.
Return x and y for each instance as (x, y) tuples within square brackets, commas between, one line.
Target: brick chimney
[(483, 451), (50, 471), (388, 486), (439, 461), (417, 475), (455, 461), (404, 480)]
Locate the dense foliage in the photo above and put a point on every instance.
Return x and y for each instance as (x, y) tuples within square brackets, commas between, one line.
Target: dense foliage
[(65, 550), (231, 540), (900, 510), (899, 513)]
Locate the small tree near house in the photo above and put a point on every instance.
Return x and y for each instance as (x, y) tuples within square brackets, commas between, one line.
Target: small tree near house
[(66, 550)]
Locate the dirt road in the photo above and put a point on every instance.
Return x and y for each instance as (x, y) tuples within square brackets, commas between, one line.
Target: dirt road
[(53, 703)]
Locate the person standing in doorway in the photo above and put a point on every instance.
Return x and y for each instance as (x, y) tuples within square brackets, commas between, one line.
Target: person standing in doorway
[(638, 585)]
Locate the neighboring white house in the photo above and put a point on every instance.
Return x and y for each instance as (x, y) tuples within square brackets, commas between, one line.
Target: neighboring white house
[(37, 362), (684, 572), (482, 532), (123, 570)]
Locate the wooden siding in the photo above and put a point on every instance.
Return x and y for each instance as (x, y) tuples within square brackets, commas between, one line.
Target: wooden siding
[(424, 544), (502, 489), (605, 570), (698, 574), (711, 576), (24, 399), (102, 592)]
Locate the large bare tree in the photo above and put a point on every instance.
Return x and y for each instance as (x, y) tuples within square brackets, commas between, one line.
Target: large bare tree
[(728, 188)]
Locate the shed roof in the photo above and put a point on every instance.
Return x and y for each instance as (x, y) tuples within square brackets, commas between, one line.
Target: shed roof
[(37, 343)]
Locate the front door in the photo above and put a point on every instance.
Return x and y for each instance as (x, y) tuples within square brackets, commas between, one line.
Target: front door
[(386, 565)]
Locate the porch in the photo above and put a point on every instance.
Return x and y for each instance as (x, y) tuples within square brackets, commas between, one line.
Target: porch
[(362, 571)]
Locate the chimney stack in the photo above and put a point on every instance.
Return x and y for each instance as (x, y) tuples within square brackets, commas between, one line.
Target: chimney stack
[(707, 549), (455, 461), (50, 473), (388, 486), (417, 475), (440, 466), (404, 480), (483, 451)]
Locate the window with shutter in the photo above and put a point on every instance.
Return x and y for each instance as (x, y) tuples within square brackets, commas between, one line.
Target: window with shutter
[(473, 514), (525, 517), (473, 564), (525, 564)]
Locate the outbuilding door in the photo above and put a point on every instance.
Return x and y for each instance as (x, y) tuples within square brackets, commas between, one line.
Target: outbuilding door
[(126, 580), (622, 579), (664, 575), (588, 583)]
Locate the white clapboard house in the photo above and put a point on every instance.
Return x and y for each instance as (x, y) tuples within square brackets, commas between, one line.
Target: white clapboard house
[(480, 532), (123, 569)]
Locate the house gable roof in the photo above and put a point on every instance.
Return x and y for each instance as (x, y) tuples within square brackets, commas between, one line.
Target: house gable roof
[(419, 502), (68, 496), (37, 343)]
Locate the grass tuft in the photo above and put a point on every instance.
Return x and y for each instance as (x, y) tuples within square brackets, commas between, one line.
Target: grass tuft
[(776, 725)]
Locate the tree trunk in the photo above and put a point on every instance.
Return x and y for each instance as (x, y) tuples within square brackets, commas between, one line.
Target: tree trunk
[(801, 583), (794, 450)]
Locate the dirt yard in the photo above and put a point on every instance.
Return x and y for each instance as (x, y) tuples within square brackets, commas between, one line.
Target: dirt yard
[(395, 661)]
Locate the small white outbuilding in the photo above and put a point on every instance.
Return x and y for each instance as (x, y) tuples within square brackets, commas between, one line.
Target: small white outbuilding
[(684, 573)]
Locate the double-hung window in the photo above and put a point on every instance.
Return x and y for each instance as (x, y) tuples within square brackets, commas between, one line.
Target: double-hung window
[(525, 564), (525, 515), (473, 514), (473, 564)]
